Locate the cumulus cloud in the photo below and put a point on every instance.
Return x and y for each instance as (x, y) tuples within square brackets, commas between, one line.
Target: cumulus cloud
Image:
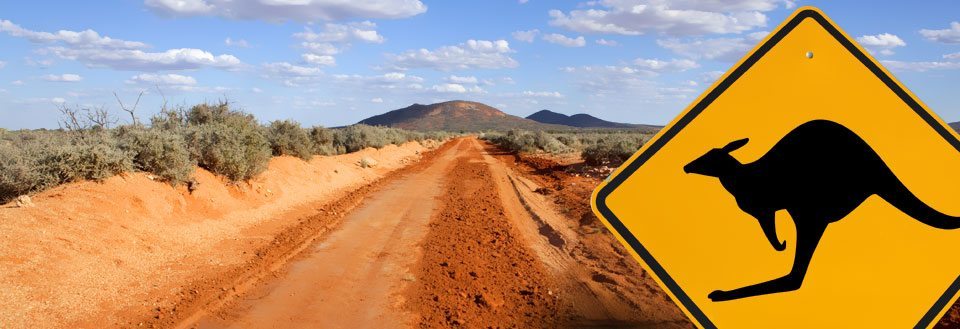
[(473, 54), (881, 43), (134, 59), (725, 49), (921, 66), (319, 60), (608, 43), (92, 49), (952, 56), (612, 80), (63, 77), (525, 36), (456, 88), (239, 43), (343, 33), (283, 10), (85, 38), (671, 17), (565, 41), (376, 100), (948, 35), (544, 94), (661, 65), (3, 64), (462, 80), (163, 79)]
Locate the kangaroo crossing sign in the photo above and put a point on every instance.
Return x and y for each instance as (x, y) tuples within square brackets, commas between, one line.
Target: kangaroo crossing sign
[(807, 188)]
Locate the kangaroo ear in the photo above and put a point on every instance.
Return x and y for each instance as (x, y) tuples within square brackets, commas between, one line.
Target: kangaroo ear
[(734, 145)]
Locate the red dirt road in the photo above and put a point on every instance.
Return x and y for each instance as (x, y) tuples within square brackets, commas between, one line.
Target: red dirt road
[(461, 240)]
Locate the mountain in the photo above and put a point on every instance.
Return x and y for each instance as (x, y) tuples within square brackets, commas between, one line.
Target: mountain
[(581, 120), (455, 116), (955, 125)]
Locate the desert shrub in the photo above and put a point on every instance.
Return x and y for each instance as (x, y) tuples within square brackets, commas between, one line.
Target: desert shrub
[(170, 119), (612, 150), (322, 139), (227, 142), (547, 143), (18, 173), (42, 160), (157, 151), (287, 138), (357, 137)]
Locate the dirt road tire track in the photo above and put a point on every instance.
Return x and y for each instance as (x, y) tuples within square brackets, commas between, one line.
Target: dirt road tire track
[(212, 292), (476, 272)]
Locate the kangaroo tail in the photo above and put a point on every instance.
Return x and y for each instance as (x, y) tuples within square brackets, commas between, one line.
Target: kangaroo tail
[(900, 197)]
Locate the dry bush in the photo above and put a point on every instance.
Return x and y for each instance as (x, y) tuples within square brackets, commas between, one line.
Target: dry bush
[(161, 152), (287, 138)]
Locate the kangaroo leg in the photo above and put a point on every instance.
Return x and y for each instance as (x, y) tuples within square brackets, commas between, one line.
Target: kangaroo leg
[(808, 236)]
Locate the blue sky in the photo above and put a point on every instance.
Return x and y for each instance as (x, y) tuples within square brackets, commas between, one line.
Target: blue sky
[(335, 62)]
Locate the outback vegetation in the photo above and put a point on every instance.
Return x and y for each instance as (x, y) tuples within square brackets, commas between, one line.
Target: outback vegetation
[(214, 136), (597, 148)]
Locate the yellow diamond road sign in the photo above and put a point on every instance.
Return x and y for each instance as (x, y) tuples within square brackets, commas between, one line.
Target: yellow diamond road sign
[(807, 188)]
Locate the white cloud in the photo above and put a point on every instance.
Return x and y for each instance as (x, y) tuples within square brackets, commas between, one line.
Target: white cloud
[(284, 69), (320, 48), (239, 43), (85, 38), (921, 66), (525, 36), (343, 33), (473, 54), (608, 43), (284, 10), (608, 81), (949, 35), (3, 64), (660, 65), (725, 49), (522, 1), (565, 41), (376, 100), (456, 88), (711, 76), (63, 77), (16, 82), (320, 60), (91, 48), (881, 43), (256, 90), (127, 59), (397, 81), (462, 80), (162, 79), (544, 94), (671, 17), (952, 56)]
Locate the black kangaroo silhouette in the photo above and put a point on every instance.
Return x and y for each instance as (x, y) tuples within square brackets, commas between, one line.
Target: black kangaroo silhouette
[(819, 172)]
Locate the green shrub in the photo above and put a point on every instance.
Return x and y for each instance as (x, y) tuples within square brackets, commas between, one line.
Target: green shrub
[(322, 139), (157, 151), (612, 150), (226, 142), (40, 161), (287, 138)]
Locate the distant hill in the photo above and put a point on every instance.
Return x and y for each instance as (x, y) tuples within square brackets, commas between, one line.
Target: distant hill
[(581, 120), (955, 125), (455, 116)]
